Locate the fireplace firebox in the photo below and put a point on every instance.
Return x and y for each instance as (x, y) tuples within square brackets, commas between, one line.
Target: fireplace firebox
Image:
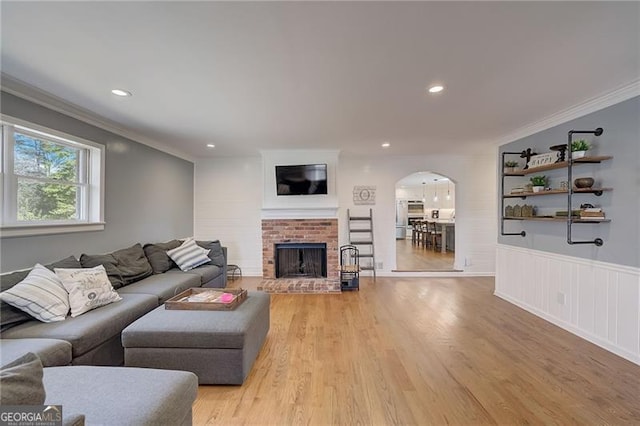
[(307, 260)]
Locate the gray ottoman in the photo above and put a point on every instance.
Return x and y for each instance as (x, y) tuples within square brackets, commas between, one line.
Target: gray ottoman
[(220, 347)]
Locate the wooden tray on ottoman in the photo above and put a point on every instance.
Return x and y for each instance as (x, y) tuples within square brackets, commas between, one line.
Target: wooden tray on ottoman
[(206, 299)]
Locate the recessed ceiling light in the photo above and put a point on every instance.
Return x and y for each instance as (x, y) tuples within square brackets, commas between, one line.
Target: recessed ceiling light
[(120, 92), (210, 145), (386, 145), (436, 89)]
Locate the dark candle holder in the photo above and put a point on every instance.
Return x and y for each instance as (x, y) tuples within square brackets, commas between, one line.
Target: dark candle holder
[(563, 149)]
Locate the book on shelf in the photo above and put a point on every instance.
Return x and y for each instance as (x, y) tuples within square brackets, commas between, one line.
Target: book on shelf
[(592, 214)]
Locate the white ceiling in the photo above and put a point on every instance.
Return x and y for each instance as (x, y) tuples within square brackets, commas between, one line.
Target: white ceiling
[(247, 76)]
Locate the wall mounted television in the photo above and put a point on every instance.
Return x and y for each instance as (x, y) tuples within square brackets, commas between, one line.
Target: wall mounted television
[(305, 179)]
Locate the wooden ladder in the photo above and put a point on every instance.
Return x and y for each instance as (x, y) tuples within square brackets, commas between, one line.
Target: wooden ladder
[(361, 236)]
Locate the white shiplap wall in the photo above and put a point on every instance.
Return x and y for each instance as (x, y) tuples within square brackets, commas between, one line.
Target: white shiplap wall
[(597, 301), (228, 202)]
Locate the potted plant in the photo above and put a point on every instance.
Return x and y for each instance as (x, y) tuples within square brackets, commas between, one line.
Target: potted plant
[(538, 182), (579, 148), (510, 166)]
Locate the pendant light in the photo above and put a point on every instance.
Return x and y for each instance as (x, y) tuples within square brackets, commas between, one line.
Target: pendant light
[(435, 190), (424, 199), (448, 192)]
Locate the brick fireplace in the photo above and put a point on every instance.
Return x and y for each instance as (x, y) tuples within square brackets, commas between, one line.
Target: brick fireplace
[(278, 231)]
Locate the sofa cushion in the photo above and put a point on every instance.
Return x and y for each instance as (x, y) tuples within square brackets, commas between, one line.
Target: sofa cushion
[(157, 255), (215, 252), (52, 352), (189, 255), (88, 288), (110, 266), (11, 316), (103, 394), (87, 331), (163, 286), (124, 266), (132, 263), (205, 272), (21, 382), (40, 294)]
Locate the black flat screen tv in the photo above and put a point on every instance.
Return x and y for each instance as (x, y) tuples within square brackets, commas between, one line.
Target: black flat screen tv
[(306, 179)]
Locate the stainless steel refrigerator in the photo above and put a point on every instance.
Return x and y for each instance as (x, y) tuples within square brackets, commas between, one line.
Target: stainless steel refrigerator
[(401, 219)]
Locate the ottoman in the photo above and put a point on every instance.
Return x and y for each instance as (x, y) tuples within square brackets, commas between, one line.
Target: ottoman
[(220, 347)]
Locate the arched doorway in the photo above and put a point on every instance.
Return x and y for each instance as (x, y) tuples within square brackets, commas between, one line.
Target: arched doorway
[(425, 222)]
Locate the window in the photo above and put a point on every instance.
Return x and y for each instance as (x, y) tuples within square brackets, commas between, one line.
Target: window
[(51, 182)]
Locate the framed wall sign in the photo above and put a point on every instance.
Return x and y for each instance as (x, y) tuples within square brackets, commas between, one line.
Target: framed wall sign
[(542, 159), (364, 195)]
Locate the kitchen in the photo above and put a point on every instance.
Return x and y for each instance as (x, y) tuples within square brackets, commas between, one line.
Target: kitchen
[(425, 199)]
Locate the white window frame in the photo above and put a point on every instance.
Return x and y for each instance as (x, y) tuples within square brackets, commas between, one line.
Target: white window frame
[(90, 185)]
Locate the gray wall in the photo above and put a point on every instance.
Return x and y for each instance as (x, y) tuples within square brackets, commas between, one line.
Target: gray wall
[(148, 194), (621, 139)]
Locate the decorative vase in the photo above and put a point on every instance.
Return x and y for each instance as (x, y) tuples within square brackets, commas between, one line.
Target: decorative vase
[(509, 169), (578, 154), (538, 188), (585, 182)]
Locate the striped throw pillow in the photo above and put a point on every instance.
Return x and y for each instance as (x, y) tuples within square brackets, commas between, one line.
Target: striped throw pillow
[(41, 295), (189, 255)]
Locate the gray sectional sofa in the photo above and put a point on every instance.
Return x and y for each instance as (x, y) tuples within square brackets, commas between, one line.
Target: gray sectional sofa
[(74, 351), (95, 336)]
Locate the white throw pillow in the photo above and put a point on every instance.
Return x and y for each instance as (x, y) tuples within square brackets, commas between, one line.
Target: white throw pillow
[(40, 294), (189, 255), (88, 288)]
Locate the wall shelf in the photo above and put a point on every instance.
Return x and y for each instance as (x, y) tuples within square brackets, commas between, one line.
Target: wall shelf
[(557, 219), (560, 165), (568, 165), (595, 191)]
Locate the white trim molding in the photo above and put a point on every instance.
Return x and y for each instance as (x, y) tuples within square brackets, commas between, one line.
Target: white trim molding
[(608, 99), (40, 97), (597, 301)]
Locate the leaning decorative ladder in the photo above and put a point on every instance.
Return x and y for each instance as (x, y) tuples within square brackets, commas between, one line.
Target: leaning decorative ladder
[(361, 236)]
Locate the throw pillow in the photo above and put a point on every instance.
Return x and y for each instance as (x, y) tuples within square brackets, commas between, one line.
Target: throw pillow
[(132, 263), (88, 288), (157, 255), (215, 254), (11, 316), (41, 295), (110, 266), (67, 262), (189, 255), (21, 382)]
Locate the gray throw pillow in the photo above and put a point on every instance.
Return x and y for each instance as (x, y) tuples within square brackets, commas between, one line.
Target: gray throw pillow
[(215, 254), (157, 255), (21, 382), (110, 266), (68, 262), (132, 263)]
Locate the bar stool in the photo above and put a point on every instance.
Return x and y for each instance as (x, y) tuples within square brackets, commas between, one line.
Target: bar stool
[(435, 235)]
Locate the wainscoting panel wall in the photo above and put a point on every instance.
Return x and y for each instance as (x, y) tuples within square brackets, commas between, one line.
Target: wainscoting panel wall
[(597, 301)]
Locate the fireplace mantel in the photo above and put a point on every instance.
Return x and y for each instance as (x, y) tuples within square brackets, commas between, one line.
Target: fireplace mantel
[(300, 213)]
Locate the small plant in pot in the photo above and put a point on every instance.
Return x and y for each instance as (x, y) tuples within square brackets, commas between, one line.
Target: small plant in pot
[(510, 166), (579, 148), (538, 182)]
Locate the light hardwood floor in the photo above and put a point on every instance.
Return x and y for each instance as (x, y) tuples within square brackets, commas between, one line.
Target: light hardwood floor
[(423, 351), (411, 257)]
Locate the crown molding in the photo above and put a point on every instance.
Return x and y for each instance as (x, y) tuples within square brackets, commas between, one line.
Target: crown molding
[(616, 96), (43, 98)]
